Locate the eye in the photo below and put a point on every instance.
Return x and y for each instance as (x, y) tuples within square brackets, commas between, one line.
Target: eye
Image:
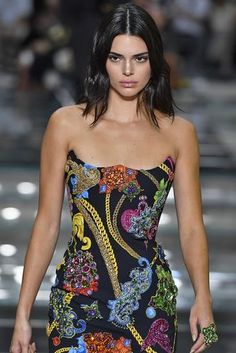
[(141, 59), (114, 58)]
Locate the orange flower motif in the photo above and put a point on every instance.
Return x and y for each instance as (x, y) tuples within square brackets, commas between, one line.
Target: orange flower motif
[(104, 342), (122, 346), (56, 341), (116, 177), (93, 286)]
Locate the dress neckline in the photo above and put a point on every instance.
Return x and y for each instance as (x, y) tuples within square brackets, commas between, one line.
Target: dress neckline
[(168, 158)]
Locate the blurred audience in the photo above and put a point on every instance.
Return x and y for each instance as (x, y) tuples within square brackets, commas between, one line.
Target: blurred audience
[(223, 29), (81, 18), (41, 52), (49, 41), (189, 32), (13, 27), (160, 10)]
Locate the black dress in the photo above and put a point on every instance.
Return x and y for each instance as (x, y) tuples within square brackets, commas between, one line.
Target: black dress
[(114, 291)]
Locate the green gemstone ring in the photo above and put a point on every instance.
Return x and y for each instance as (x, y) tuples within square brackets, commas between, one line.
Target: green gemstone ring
[(210, 334)]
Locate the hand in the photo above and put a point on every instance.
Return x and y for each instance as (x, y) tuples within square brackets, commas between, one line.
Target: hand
[(201, 315), (21, 338)]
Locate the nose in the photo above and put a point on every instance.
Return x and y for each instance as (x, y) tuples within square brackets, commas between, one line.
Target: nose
[(127, 68)]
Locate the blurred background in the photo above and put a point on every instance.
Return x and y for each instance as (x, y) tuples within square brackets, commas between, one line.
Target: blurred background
[(44, 47)]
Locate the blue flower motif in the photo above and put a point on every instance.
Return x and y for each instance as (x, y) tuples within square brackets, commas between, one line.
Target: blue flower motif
[(81, 345), (102, 188), (89, 166), (83, 194), (123, 307)]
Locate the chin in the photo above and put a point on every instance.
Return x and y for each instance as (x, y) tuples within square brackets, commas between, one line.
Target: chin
[(128, 94)]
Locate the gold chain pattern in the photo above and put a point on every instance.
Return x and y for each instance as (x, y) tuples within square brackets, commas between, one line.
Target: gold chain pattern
[(50, 328), (102, 240), (116, 235), (164, 167), (62, 350), (151, 177), (68, 297), (138, 338)]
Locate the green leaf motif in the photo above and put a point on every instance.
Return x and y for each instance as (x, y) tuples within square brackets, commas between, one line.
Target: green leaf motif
[(165, 297)]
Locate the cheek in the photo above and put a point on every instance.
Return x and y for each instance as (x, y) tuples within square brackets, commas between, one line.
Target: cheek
[(112, 71), (148, 72), (145, 74)]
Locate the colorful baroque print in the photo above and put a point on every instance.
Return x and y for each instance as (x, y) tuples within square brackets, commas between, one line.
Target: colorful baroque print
[(157, 335), (104, 342), (66, 320), (92, 311), (121, 178), (123, 307), (81, 178), (80, 276), (143, 221), (165, 297), (99, 283), (78, 231)]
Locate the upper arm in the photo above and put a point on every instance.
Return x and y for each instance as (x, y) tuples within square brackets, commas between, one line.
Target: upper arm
[(52, 162), (187, 188)]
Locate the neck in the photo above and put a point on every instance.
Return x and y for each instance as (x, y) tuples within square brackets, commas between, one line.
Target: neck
[(122, 109)]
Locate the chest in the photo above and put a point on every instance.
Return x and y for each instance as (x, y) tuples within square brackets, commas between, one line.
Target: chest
[(135, 145)]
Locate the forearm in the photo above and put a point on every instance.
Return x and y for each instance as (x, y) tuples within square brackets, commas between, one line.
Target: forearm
[(195, 254), (37, 259)]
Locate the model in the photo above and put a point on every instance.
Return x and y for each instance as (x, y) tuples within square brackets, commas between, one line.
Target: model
[(118, 152)]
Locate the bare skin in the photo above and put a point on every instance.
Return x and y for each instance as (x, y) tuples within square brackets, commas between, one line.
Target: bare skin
[(133, 141)]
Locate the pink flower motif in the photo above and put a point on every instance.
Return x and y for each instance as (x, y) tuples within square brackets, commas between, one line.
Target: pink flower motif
[(126, 218), (157, 335)]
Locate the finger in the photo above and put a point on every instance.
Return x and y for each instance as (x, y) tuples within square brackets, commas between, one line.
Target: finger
[(193, 329), (15, 348), (201, 348), (33, 347), (25, 348), (30, 349), (197, 344)]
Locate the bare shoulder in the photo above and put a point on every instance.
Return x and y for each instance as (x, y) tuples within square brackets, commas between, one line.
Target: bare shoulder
[(183, 126), (65, 120), (185, 137), (179, 126), (65, 116), (183, 132)]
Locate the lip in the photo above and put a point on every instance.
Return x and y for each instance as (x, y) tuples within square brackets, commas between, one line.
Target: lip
[(128, 83)]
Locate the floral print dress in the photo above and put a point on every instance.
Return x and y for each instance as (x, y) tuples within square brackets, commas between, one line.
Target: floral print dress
[(114, 291)]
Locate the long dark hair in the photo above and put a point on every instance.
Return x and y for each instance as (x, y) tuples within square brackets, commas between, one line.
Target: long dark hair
[(133, 20)]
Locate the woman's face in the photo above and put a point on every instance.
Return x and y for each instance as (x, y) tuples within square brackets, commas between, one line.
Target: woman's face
[(128, 65)]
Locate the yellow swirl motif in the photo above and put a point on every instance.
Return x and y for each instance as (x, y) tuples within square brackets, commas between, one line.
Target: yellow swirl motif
[(61, 264), (78, 230)]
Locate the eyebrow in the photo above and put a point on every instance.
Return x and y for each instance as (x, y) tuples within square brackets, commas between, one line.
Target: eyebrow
[(135, 55)]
